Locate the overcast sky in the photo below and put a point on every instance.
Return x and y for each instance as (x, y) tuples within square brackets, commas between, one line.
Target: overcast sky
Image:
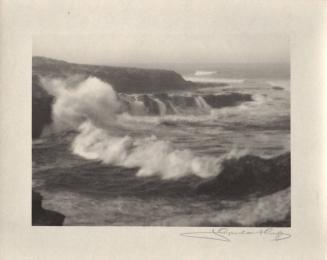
[(109, 32)]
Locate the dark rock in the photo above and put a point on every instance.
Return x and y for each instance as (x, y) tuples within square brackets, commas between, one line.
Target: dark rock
[(162, 96), (225, 100), (183, 101), (249, 175), (41, 107), (43, 217), (199, 85), (277, 88), (150, 105), (126, 80), (123, 79)]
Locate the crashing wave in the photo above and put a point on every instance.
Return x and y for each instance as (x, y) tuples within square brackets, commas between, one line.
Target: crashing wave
[(93, 109), (98, 113), (144, 104)]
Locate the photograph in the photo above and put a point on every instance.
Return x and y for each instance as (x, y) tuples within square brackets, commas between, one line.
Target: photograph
[(164, 122)]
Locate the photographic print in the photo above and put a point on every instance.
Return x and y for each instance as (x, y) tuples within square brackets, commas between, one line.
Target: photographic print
[(164, 122)]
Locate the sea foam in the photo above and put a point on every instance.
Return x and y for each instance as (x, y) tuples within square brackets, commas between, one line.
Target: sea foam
[(92, 108)]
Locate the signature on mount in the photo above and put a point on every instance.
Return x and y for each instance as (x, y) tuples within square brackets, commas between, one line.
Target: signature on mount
[(225, 234)]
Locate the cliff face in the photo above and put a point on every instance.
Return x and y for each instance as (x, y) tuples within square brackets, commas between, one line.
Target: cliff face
[(41, 107), (127, 80)]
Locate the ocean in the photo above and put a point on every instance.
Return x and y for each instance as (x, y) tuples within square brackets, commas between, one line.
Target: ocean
[(122, 159)]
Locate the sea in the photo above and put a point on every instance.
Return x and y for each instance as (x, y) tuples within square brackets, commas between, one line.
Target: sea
[(117, 159)]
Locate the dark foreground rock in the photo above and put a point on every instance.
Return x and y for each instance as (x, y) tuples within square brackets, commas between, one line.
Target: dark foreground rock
[(249, 175), (43, 217), (225, 100)]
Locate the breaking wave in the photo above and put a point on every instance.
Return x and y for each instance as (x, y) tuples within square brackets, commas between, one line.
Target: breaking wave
[(92, 108), (150, 155)]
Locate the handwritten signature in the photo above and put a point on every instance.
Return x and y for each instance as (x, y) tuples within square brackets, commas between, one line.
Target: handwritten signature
[(225, 234)]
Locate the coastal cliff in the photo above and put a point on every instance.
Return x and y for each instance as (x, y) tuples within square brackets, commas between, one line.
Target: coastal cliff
[(124, 80)]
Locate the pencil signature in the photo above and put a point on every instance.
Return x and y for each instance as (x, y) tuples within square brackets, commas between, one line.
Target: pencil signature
[(225, 234)]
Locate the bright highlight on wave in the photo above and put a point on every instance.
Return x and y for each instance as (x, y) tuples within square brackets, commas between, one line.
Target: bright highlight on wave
[(92, 108), (204, 73), (150, 155)]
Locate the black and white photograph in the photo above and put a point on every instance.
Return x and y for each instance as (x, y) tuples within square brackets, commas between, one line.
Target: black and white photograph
[(163, 129), (165, 124)]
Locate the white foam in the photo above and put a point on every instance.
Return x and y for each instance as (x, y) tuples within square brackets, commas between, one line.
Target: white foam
[(150, 155), (202, 103), (91, 100), (212, 80), (204, 73), (161, 105), (92, 108)]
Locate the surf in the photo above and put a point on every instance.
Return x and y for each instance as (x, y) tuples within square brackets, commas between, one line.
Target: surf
[(92, 109)]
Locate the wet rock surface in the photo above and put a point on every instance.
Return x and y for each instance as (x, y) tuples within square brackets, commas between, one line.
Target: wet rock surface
[(249, 175), (44, 217)]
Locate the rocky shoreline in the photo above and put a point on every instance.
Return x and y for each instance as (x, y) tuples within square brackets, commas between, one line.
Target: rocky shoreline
[(44, 217), (123, 80), (249, 175)]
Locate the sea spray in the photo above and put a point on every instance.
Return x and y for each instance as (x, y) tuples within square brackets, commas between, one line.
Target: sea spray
[(150, 155), (92, 109), (91, 100)]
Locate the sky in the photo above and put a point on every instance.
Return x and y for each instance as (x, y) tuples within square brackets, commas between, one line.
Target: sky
[(192, 31)]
